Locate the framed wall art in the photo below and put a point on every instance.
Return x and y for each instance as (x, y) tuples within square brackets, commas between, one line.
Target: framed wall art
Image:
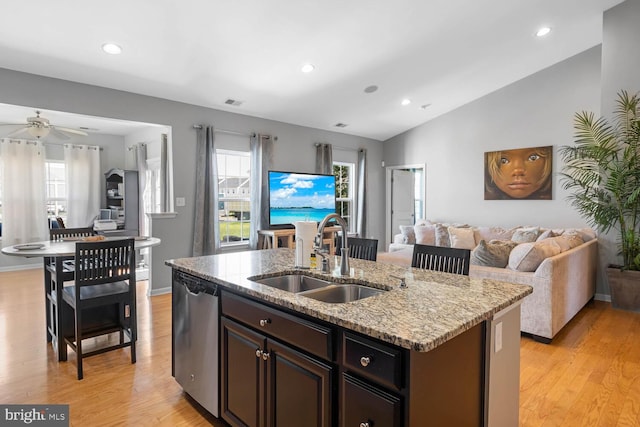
[(520, 173)]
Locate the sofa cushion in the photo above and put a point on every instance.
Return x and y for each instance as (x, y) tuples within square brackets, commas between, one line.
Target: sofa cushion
[(528, 256), (545, 234), (586, 234), (425, 234), (408, 234), (526, 234), (492, 254), (442, 236), (462, 238), (493, 233)]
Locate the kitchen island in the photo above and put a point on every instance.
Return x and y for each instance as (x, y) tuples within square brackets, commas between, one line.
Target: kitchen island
[(425, 354)]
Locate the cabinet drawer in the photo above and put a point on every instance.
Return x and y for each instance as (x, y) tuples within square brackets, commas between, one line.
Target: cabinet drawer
[(365, 404), (309, 336), (372, 359)]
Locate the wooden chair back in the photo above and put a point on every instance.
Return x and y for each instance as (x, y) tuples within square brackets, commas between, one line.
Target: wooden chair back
[(437, 258), (57, 234), (359, 248), (105, 261)]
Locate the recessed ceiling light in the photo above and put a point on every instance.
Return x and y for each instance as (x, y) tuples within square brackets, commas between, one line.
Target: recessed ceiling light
[(112, 48), (405, 102), (307, 68), (543, 31)]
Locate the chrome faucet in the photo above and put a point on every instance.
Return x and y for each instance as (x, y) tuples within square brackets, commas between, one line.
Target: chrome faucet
[(344, 250)]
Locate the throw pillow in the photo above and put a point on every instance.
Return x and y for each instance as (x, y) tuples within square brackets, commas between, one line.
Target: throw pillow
[(408, 235), (442, 235), (545, 234), (462, 238), (425, 234), (525, 235), (528, 256), (586, 234), (492, 254)]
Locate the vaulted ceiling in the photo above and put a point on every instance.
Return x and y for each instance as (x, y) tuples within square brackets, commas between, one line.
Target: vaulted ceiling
[(439, 54)]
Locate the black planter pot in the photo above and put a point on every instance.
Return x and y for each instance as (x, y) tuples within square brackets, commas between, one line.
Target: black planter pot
[(625, 288)]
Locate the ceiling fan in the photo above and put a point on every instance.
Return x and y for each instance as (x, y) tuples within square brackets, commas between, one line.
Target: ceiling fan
[(39, 127)]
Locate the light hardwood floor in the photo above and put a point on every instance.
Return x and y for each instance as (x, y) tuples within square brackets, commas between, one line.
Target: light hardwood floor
[(588, 376)]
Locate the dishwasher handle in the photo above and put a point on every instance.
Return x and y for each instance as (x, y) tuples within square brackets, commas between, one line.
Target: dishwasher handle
[(195, 286)]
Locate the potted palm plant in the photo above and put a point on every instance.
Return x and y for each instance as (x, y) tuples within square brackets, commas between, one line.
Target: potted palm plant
[(602, 170)]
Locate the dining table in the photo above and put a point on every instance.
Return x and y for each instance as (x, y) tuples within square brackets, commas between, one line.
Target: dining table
[(59, 252)]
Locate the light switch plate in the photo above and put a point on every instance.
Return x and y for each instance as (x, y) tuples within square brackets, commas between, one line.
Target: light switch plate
[(180, 201)]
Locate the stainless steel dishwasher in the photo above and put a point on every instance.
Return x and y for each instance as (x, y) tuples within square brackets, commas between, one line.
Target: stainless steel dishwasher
[(195, 332)]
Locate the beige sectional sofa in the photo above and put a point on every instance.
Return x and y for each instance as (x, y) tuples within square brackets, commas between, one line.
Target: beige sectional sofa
[(560, 265)]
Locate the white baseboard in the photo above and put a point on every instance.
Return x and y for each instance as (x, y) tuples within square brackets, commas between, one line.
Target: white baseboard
[(20, 267), (160, 291), (602, 297)]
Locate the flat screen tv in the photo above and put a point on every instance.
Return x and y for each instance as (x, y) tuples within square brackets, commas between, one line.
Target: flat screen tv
[(295, 196)]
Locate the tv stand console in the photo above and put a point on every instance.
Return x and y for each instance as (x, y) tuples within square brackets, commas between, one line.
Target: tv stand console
[(284, 238)]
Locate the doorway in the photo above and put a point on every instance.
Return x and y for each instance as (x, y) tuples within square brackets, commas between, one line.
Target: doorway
[(405, 188)]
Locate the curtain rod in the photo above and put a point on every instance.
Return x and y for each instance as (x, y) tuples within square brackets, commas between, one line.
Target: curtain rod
[(337, 147), (31, 141), (231, 132)]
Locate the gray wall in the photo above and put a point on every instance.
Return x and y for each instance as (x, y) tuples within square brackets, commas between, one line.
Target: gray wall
[(535, 111), (294, 149)]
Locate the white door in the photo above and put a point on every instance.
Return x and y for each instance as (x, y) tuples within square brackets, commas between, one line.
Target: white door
[(402, 199)]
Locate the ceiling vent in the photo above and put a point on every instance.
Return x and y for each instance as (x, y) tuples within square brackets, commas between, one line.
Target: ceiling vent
[(341, 125), (233, 102)]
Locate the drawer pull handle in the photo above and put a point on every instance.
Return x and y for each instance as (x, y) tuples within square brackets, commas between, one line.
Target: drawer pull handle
[(364, 361), (265, 355), (364, 424), (264, 322), (258, 353)]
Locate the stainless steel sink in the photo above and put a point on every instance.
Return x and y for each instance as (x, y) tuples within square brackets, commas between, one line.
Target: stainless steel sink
[(294, 282), (342, 293)]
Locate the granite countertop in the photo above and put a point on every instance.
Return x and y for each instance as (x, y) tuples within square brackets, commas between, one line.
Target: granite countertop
[(434, 308)]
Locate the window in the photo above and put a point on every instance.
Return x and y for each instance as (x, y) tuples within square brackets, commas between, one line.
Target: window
[(345, 188), (234, 201), (56, 194)]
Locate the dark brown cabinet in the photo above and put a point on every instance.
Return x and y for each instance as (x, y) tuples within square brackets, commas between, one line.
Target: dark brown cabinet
[(267, 383), (366, 405)]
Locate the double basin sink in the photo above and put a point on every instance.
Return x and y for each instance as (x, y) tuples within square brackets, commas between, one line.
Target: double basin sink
[(318, 289)]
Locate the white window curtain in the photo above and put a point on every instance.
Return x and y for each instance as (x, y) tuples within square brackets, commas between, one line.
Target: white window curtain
[(22, 165), (83, 179), (141, 162)]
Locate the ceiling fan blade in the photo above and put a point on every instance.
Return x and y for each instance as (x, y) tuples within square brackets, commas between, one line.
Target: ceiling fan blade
[(13, 124), (17, 132), (55, 132), (75, 131)]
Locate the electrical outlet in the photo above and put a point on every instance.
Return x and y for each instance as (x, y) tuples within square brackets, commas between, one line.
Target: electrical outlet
[(498, 337), (180, 201)]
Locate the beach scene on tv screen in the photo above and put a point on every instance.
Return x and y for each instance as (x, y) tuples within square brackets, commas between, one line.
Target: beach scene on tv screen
[(300, 197)]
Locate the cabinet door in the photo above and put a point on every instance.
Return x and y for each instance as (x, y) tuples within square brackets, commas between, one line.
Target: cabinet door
[(364, 404), (298, 389), (242, 375)]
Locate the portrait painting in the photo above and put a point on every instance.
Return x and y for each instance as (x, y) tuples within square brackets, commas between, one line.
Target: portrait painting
[(521, 173)]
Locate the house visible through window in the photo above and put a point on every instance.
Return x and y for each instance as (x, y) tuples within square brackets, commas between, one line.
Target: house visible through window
[(345, 189), (234, 201), (56, 190)]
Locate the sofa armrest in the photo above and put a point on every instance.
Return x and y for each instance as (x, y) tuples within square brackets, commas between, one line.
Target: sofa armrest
[(398, 238)]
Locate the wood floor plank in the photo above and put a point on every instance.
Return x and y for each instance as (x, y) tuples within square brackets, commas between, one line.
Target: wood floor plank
[(588, 376)]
